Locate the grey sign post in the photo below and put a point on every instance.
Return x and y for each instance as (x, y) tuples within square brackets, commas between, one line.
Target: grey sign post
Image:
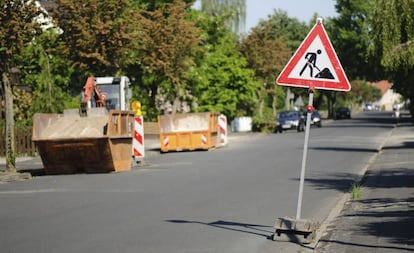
[(314, 66), (304, 157)]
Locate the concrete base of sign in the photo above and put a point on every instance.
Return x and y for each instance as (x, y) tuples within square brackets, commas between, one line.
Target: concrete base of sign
[(292, 230)]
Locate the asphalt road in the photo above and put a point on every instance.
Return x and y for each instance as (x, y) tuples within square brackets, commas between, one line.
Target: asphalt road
[(225, 200)]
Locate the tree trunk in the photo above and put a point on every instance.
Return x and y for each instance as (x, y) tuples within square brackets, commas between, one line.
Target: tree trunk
[(10, 140), (261, 102), (287, 99), (274, 104), (331, 103)]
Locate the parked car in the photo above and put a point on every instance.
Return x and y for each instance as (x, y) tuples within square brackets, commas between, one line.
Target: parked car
[(316, 119), (368, 107), (343, 113), (290, 119)]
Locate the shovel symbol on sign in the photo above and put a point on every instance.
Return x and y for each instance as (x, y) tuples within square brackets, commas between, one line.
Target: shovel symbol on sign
[(311, 64)]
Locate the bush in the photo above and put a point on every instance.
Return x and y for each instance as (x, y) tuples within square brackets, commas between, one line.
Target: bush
[(264, 124)]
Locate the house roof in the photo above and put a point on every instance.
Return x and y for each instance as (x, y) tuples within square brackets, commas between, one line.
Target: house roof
[(383, 85)]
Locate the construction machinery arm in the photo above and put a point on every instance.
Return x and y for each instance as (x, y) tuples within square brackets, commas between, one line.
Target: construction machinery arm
[(91, 89)]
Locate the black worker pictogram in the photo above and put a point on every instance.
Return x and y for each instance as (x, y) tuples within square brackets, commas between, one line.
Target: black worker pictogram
[(311, 65)]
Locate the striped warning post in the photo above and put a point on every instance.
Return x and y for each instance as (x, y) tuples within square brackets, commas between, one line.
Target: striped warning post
[(138, 141), (203, 139), (166, 141), (222, 125)]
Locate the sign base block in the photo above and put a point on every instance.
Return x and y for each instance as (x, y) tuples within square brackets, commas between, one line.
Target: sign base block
[(299, 231)]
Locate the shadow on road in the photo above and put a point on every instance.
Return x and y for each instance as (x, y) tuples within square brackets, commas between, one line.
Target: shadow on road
[(260, 230), (396, 178), (338, 181), (405, 145), (34, 172)]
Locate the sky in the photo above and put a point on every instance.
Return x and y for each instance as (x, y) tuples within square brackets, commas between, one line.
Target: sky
[(303, 10)]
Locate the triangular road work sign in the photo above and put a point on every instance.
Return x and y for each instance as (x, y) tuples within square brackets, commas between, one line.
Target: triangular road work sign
[(315, 64)]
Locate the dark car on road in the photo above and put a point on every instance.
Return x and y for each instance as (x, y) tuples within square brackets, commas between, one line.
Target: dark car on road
[(316, 119), (343, 113), (290, 119)]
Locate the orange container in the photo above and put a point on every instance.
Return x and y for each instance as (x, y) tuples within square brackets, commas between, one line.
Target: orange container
[(188, 131)]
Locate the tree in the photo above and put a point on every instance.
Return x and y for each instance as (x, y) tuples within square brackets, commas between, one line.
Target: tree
[(226, 84), (221, 80), (268, 48), (22, 105), (47, 72), (291, 29), (167, 45), (93, 32), (293, 32), (235, 10), (392, 36), (351, 27), (20, 23), (152, 5), (361, 92), (266, 54)]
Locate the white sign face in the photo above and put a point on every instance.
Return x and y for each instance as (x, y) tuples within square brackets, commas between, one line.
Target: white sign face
[(315, 65)]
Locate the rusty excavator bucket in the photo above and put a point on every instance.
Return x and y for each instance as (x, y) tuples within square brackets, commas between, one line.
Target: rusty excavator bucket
[(98, 143)]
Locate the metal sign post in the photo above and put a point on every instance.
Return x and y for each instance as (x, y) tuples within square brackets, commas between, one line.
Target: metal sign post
[(309, 109), (298, 226), (314, 66)]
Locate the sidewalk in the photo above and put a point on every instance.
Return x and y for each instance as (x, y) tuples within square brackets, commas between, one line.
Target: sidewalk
[(382, 220)]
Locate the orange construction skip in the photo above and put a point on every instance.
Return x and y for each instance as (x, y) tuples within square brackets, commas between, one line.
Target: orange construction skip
[(68, 143), (188, 131)]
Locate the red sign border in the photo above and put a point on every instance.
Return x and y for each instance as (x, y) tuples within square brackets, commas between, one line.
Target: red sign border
[(343, 84)]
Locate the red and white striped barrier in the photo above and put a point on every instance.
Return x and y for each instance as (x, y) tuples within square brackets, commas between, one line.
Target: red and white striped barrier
[(203, 139), (166, 141), (222, 125), (138, 149)]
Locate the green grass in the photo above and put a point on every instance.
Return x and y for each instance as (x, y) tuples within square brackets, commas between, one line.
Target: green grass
[(356, 191)]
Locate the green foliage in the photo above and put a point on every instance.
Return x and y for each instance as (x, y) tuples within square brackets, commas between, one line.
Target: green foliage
[(221, 80), (152, 5), (180, 56), (393, 32), (169, 43), (291, 29), (225, 84), (18, 27), (351, 27), (20, 23), (392, 35), (22, 106), (266, 123), (265, 54), (93, 33), (363, 92), (72, 102), (267, 49), (47, 73)]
